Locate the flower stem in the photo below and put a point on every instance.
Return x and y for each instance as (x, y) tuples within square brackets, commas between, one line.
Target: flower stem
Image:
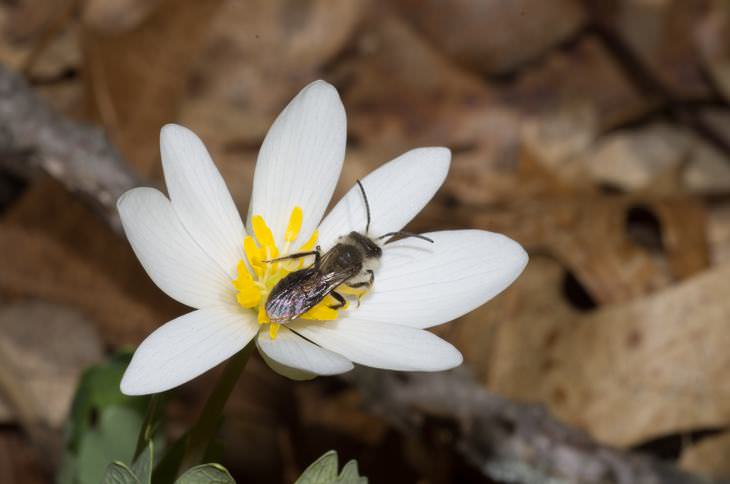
[(146, 432), (204, 430)]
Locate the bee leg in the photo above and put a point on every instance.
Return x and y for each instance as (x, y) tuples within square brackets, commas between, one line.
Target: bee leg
[(298, 255), (340, 300)]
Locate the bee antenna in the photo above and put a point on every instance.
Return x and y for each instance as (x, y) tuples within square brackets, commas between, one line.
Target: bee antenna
[(367, 206), (407, 234)]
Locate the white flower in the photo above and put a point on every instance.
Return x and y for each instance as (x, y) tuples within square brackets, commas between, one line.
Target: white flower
[(192, 246)]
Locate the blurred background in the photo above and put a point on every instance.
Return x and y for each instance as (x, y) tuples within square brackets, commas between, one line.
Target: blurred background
[(594, 132)]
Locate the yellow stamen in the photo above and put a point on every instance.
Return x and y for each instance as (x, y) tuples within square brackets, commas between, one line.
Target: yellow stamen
[(248, 299), (263, 318), (253, 254), (262, 232), (255, 279), (295, 224), (249, 293)]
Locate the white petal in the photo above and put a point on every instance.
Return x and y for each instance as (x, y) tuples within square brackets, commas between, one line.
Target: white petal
[(200, 196), (421, 285), (187, 347), (168, 253), (288, 372), (295, 352), (300, 160), (396, 192), (380, 345)]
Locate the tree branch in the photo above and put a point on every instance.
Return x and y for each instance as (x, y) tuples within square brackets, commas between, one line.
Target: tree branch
[(506, 441), (33, 136)]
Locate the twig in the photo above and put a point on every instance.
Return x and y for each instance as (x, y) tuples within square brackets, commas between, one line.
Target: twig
[(34, 136), (506, 441)]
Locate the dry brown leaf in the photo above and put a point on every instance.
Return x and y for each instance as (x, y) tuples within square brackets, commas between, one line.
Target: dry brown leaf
[(627, 372), (117, 16), (63, 253), (493, 36), (592, 233), (709, 457), (712, 36), (633, 159), (19, 463), (660, 33), (583, 74), (40, 34), (400, 92), (135, 79), (257, 56), (42, 268), (39, 356)]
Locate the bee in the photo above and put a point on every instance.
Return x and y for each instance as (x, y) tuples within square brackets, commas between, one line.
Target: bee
[(352, 261)]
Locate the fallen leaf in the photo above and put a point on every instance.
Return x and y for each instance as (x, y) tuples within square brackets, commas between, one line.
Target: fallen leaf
[(134, 80), (660, 34), (54, 236), (495, 37), (628, 372), (708, 457), (256, 56), (44, 349)]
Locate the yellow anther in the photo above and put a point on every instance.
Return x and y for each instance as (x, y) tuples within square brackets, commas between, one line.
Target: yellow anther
[(253, 254), (274, 330), (249, 293), (249, 298), (295, 224), (263, 318), (263, 233)]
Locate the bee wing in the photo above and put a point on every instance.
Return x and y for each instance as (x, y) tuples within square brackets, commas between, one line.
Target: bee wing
[(335, 278), (300, 291)]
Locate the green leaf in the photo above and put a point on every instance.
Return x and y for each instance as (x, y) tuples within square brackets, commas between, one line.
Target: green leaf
[(324, 471), (113, 440), (142, 467), (206, 474), (321, 471), (98, 389), (350, 475), (93, 437), (118, 473)]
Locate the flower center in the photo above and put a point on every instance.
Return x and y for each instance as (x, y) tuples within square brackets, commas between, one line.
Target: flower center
[(258, 274)]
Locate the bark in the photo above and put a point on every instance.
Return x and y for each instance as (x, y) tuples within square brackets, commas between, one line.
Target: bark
[(34, 137), (505, 440)]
